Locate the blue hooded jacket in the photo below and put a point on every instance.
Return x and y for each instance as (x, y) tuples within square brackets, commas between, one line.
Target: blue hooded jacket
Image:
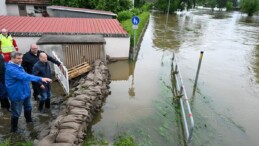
[(17, 82)]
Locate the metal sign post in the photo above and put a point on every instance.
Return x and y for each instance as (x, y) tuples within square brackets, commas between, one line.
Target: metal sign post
[(135, 21)]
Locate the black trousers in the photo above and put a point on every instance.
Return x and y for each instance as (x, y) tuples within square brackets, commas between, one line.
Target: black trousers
[(5, 103), (35, 90)]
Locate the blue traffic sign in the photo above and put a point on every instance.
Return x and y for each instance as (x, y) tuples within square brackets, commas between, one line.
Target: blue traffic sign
[(135, 20)]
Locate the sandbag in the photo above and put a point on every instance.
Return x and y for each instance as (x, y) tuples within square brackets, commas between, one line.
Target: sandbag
[(96, 89), (76, 103), (48, 140), (69, 125), (71, 131), (90, 76), (88, 84), (81, 98), (78, 111), (66, 138), (73, 118)]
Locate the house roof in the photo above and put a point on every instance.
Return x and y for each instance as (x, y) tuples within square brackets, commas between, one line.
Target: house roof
[(71, 39), (37, 2), (37, 26), (63, 8)]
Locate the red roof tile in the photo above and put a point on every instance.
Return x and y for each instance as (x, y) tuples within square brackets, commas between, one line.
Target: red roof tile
[(81, 10), (39, 2), (36, 26)]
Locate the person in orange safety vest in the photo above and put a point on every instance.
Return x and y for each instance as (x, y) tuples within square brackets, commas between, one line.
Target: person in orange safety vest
[(7, 44)]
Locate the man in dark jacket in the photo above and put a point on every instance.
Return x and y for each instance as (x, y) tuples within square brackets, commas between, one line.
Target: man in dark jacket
[(29, 59), (17, 82), (3, 93), (42, 69)]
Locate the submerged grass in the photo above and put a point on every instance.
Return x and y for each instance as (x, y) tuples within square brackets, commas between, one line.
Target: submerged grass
[(125, 140), (7, 142), (121, 140)]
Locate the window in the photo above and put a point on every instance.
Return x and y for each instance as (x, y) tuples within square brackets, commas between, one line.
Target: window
[(39, 9), (21, 7)]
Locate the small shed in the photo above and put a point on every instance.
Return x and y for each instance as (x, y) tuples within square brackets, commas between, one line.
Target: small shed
[(77, 52)]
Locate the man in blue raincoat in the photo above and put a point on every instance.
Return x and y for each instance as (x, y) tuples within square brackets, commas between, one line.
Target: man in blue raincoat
[(17, 82)]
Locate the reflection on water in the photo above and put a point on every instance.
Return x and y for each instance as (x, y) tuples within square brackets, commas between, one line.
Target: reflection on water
[(226, 101)]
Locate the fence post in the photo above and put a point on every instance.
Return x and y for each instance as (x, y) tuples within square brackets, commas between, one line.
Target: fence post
[(198, 70)]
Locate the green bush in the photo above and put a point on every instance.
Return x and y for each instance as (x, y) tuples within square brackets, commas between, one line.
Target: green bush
[(147, 6), (229, 6), (135, 11), (124, 15)]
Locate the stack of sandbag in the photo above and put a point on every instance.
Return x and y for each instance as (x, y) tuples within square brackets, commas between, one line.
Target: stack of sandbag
[(89, 93)]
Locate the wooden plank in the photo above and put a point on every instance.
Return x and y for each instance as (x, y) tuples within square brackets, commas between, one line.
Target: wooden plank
[(85, 63), (76, 69), (79, 72)]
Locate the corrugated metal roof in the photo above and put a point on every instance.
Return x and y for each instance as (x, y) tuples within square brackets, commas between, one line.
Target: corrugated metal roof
[(38, 2), (37, 26), (71, 39), (81, 10)]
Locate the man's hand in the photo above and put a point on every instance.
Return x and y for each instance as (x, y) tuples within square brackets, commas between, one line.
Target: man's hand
[(46, 80), (42, 87)]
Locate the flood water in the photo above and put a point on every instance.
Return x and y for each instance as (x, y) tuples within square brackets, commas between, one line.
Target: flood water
[(226, 104)]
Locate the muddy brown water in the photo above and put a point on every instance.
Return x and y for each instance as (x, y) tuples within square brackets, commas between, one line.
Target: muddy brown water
[(225, 106)]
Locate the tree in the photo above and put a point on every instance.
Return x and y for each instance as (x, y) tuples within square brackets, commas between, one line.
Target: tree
[(163, 5), (229, 5), (139, 3), (108, 5), (212, 4), (125, 5), (249, 6)]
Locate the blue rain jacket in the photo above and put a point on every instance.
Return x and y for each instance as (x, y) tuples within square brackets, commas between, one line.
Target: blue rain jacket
[(17, 82)]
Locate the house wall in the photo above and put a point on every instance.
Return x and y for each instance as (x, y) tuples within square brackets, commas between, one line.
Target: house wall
[(25, 42), (30, 10), (3, 10), (12, 10), (56, 48), (62, 13), (117, 47)]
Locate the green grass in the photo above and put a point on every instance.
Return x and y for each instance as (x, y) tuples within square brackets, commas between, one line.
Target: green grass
[(125, 140), (127, 25), (120, 140), (7, 142)]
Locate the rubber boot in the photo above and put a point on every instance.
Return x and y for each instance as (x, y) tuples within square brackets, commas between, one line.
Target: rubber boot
[(5, 104), (41, 106), (27, 115), (14, 124), (47, 103)]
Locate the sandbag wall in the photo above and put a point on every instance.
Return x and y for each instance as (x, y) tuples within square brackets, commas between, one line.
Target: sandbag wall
[(89, 93)]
